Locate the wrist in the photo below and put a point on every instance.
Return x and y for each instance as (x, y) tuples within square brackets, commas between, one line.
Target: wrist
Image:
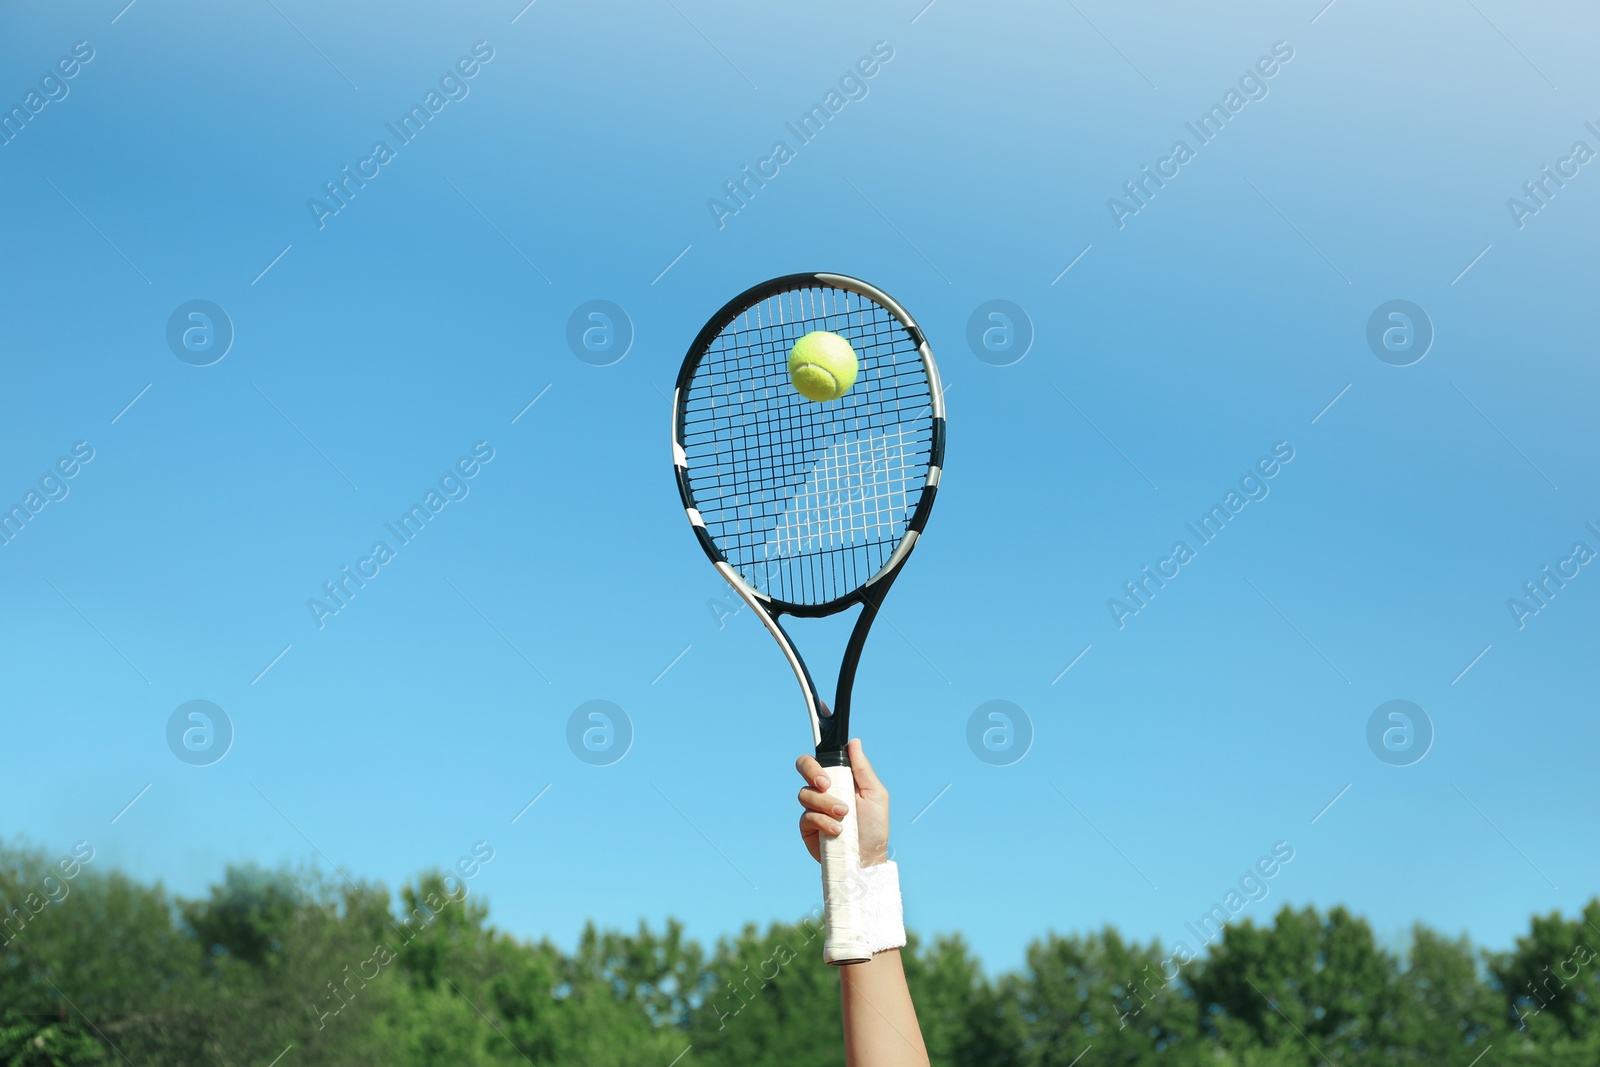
[(882, 915)]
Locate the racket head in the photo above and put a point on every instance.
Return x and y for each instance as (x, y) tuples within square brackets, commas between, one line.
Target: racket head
[(808, 505)]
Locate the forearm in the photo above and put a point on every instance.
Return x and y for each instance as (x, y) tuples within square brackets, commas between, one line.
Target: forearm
[(880, 1022)]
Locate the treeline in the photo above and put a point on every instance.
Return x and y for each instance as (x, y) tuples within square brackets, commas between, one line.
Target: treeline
[(98, 969)]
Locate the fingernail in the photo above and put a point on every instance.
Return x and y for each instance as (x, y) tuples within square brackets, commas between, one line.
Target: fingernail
[(835, 829), (840, 809), (822, 782)]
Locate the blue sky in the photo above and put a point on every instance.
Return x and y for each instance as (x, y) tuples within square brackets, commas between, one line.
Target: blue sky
[(1227, 315)]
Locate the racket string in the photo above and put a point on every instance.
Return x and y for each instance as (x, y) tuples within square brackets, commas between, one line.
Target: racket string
[(806, 500)]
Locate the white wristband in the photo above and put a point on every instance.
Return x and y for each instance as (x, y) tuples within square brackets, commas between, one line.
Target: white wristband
[(882, 917)]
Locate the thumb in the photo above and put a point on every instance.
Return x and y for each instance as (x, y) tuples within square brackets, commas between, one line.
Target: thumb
[(866, 778)]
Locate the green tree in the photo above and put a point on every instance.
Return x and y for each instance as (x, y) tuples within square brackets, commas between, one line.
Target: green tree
[(1126, 1001), (1550, 981), (770, 1001), (90, 958), (1318, 987), (1443, 1009), (473, 996), (96, 968), (965, 1019)]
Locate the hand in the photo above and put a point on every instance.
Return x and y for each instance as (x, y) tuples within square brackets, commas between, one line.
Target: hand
[(823, 811)]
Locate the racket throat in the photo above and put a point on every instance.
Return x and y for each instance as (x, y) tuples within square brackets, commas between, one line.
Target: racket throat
[(833, 725), (834, 729), (831, 749)]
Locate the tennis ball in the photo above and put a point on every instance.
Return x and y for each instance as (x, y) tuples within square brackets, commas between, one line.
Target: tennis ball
[(822, 366)]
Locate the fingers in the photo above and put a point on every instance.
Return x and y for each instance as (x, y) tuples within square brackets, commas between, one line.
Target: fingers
[(823, 803), (811, 771), (867, 780), (811, 824), (822, 811)]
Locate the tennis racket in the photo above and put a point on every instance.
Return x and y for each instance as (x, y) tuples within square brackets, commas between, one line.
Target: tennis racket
[(810, 508)]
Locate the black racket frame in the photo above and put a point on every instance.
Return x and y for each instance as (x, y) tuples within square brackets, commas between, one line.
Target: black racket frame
[(830, 727)]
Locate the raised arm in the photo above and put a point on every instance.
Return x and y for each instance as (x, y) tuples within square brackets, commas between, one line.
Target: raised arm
[(880, 1022)]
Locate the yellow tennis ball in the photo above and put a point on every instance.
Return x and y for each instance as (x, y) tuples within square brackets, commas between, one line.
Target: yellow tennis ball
[(822, 366)]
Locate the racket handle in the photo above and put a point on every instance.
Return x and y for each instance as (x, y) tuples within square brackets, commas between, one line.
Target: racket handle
[(844, 934)]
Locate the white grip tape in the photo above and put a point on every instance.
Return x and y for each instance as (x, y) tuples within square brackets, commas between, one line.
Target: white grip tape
[(845, 938)]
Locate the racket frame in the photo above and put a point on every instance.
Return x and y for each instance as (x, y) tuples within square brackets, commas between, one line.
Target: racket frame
[(829, 726)]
